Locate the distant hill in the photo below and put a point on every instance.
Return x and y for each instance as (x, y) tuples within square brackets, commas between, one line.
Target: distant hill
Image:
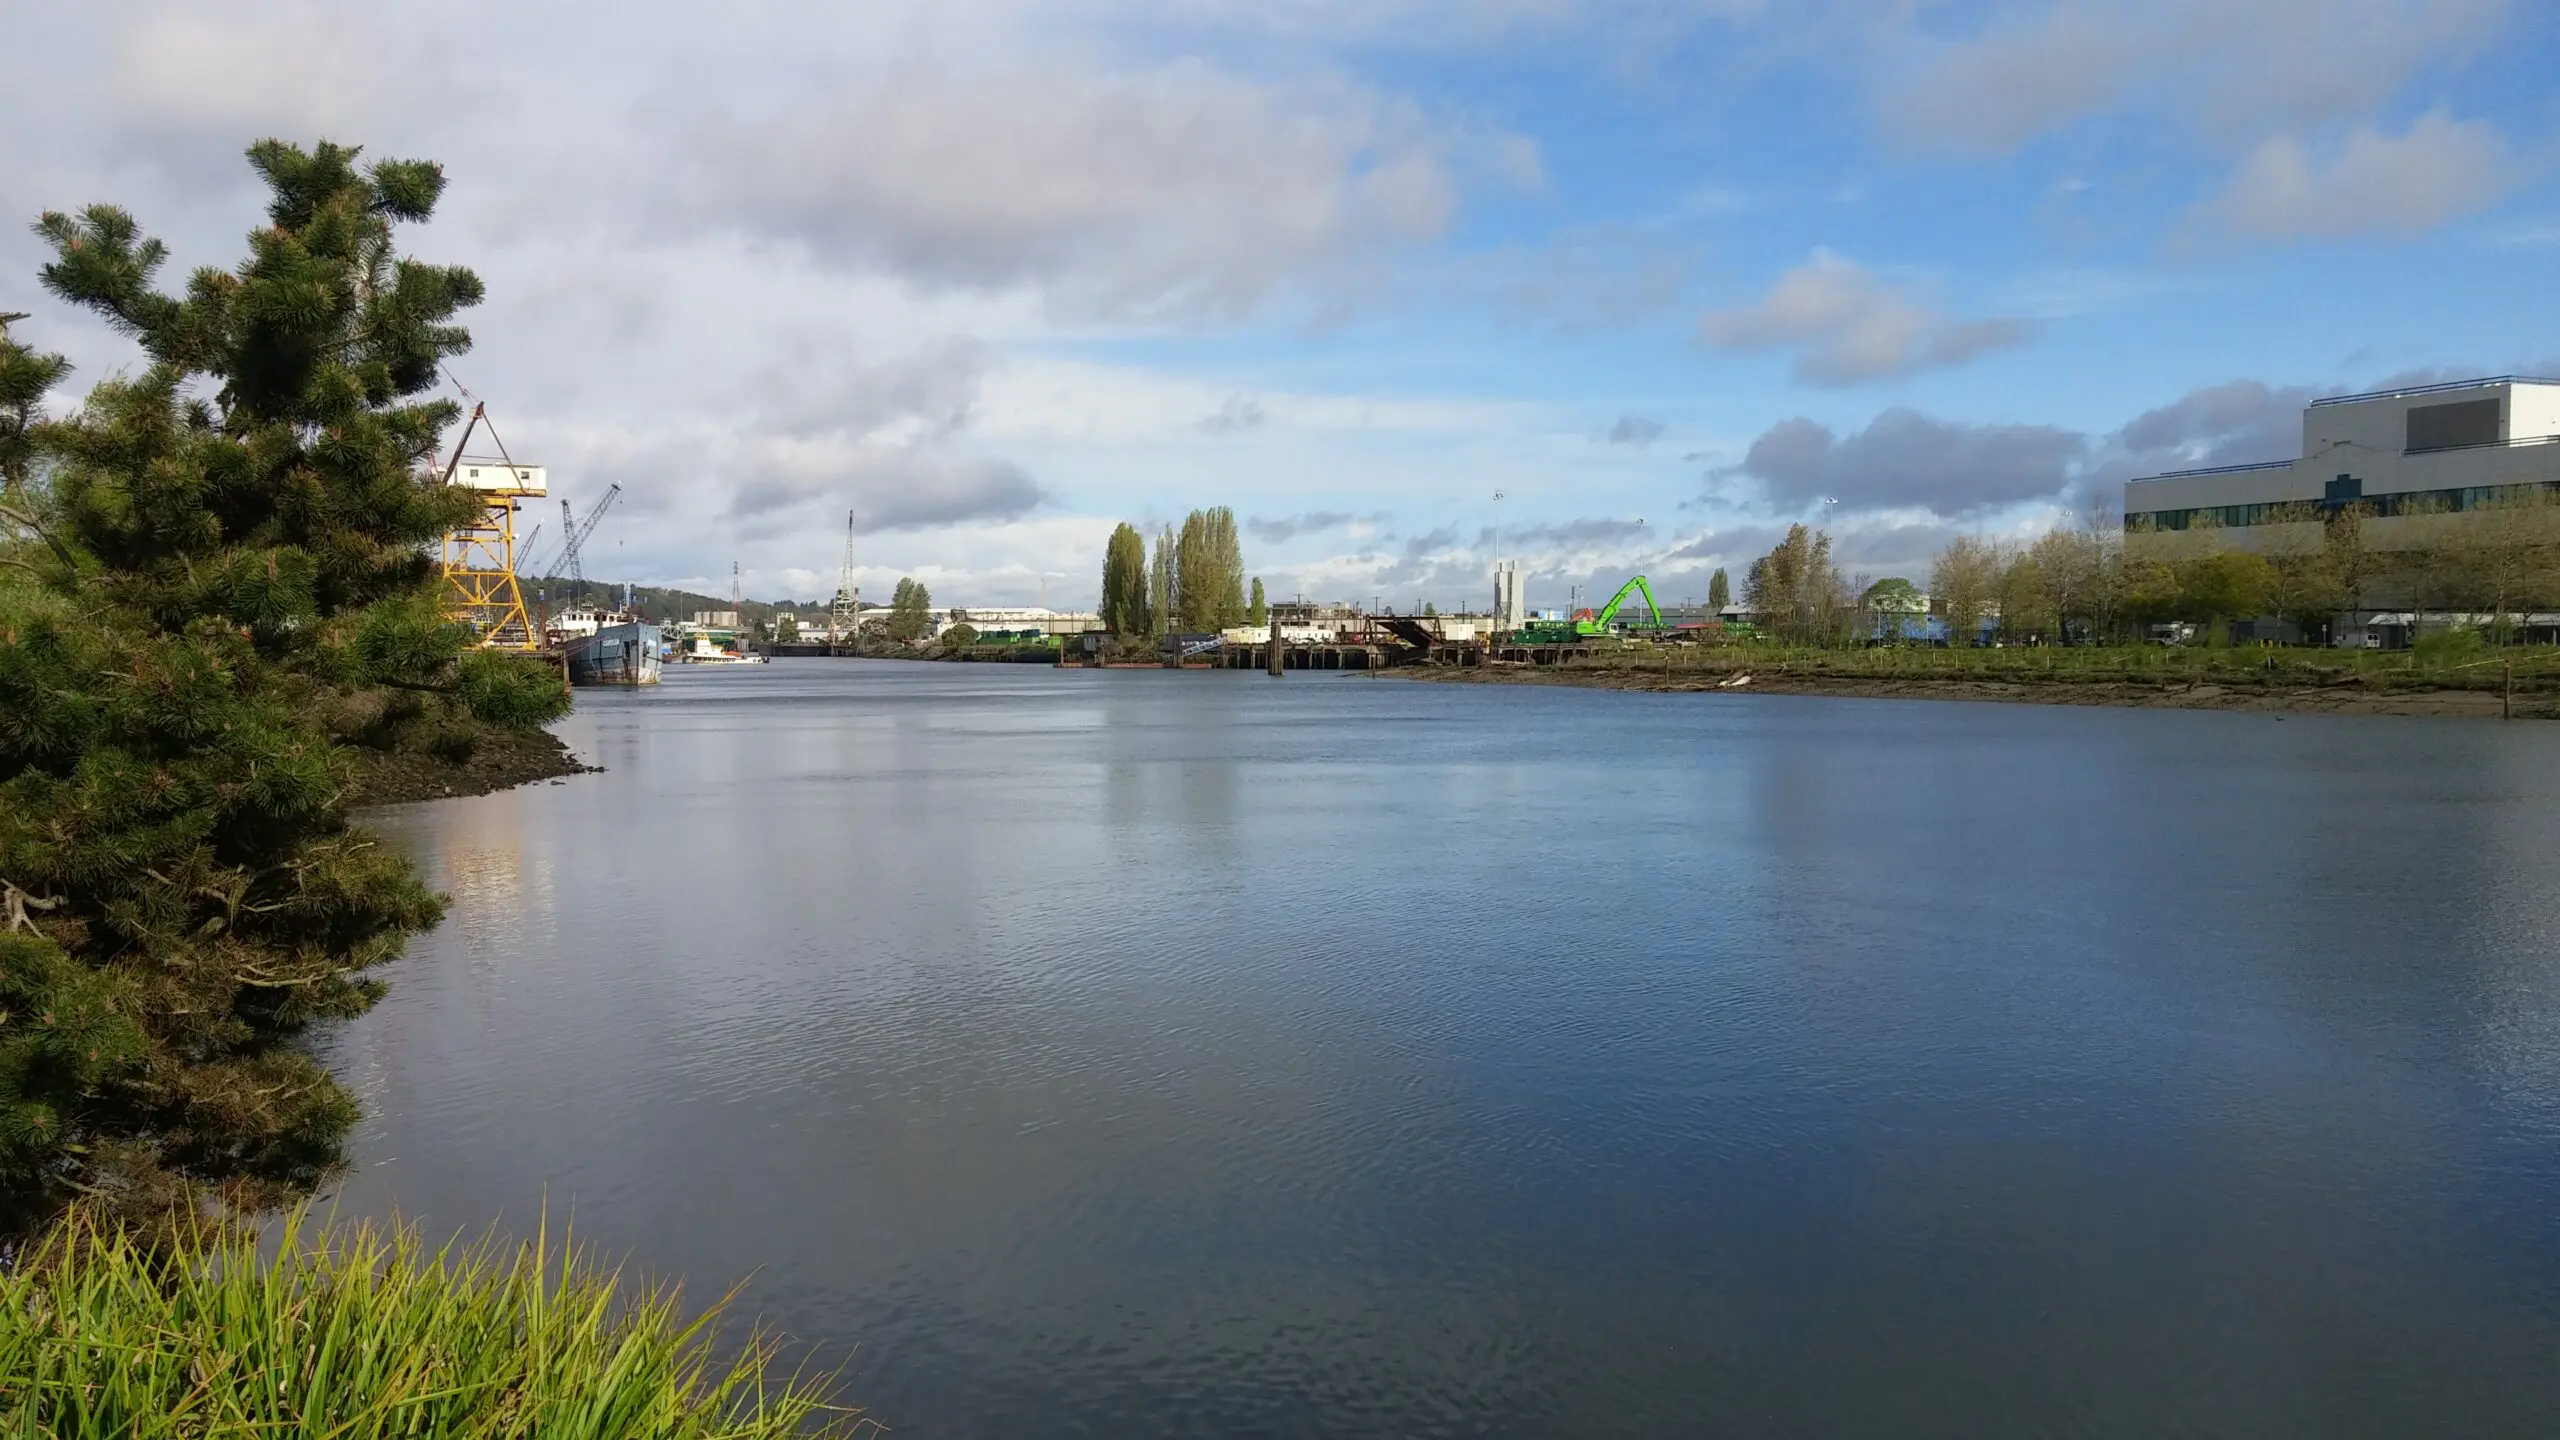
[(657, 604)]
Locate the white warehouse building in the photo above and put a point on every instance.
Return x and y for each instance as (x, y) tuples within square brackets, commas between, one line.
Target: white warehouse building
[(1017, 619), (2423, 451)]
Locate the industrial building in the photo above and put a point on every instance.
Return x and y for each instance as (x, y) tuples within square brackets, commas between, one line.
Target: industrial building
[(2415, 462), (2403, 454), (1029, 622)]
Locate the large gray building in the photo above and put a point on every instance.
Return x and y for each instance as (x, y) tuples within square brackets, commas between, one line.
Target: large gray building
[(2428, 450), (2413, 460)]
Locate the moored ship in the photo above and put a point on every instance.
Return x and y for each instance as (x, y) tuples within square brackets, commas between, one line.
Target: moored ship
[(620, 654)]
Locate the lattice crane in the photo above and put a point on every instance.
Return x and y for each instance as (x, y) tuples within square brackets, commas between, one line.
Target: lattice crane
[(844, 617), (578, 532)]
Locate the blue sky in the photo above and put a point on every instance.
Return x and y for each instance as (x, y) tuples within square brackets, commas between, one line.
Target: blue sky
[(996, 275)]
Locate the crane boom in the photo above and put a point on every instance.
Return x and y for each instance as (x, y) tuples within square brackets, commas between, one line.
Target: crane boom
[(578, 536)]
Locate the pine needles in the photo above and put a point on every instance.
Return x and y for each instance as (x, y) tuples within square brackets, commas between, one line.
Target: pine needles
[(361, 1331)]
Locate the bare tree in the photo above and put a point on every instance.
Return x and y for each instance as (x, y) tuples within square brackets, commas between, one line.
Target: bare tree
[(2066, 565), (1964, 585), (2027, 612), (2502, 558), (1796, 590)]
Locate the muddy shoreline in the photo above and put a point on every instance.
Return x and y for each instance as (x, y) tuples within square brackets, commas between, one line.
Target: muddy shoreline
[(502, 760), (2285, 698)]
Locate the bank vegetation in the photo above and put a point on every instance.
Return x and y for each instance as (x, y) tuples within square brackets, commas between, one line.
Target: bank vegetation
[(2303, 574)]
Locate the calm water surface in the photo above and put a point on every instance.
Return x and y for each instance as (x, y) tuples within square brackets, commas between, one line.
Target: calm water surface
[(1143, 1054)]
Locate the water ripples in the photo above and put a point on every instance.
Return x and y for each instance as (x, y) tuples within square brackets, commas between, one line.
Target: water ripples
[(1170, 1054)]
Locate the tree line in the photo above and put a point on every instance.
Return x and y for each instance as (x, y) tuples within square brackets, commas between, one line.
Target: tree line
[(1194, 582), (2490, 563)]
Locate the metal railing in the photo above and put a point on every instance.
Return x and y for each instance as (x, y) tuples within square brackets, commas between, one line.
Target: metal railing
[(2218, 470), (2487, 445), (2445, 387)]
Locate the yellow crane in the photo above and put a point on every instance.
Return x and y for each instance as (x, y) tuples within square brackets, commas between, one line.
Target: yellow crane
[(479, 557)]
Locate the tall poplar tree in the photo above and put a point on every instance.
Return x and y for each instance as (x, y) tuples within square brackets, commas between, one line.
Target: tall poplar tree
[(910, 609), (1719, 591), (1209, 569), (219, 583), (1164, 587), (1124, 582), (1257, 611)]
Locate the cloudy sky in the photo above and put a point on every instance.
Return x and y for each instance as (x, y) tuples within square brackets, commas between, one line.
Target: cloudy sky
[(1663, 275)]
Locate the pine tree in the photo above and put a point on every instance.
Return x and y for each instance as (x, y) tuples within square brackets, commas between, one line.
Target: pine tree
[(219, 585), (25, 377)]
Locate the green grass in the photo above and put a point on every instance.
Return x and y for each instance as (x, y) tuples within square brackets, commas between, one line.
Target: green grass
[(360, 1331)]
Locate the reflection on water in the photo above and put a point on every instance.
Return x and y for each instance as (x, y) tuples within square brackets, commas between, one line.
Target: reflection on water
[(1179, 1054)]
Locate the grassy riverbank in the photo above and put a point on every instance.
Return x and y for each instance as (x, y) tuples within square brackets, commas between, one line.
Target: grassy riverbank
[(2523, 681), (359, 1331)]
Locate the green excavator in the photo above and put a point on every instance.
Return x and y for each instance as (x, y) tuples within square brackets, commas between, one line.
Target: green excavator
[(1585, 625)]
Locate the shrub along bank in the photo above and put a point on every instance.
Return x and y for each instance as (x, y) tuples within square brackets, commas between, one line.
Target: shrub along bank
[(2451, 673)]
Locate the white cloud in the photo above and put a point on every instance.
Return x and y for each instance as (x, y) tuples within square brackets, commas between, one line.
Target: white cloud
[(289, 68), (1037, 399), (1185, 190), (2063, 292), (2234, 69), (891, 488), (1847, 326), (2370, 181)]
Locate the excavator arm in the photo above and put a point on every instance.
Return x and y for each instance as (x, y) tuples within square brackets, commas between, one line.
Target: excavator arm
[(1636, 586)]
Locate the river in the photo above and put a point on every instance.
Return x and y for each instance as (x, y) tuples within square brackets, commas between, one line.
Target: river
[(1136, 1053)]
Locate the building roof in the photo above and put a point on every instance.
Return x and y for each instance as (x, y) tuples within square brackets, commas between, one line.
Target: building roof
[(2436, 389)]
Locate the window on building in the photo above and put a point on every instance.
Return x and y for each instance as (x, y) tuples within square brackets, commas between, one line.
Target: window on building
[(2445, 427)]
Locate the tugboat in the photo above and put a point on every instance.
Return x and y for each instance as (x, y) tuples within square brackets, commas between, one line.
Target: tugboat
[(701, 649)]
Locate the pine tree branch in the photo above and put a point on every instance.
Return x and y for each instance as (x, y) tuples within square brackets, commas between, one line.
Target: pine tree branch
[(17, 902), (19, 517)]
